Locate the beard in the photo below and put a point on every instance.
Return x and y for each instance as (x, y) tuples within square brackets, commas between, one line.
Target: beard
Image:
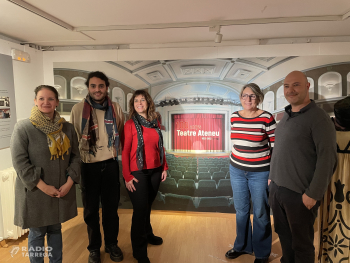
[(100, 98)]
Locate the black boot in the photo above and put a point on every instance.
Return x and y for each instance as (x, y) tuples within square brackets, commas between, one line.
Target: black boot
[(94, 256), (144, 260), (232, 254), (115, 252), (154, 240)]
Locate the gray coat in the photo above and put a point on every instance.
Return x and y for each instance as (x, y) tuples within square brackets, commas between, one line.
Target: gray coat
[(31, 160)]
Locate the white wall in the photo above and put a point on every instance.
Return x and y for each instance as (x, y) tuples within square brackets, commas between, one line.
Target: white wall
[(27, 76)]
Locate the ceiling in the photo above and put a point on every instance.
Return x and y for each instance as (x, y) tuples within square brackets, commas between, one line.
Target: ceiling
[(187, 77), (234, 70), (175, 21)]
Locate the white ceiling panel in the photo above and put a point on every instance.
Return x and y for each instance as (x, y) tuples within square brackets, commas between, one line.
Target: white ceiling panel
[(287, 30), (154, 74), (266, 61), (121, 12), (198, 69), (179, 35), (148, 36), (242, 73), (134, 65), (23, 25)]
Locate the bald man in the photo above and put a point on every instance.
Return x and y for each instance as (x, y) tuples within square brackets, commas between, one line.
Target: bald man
[(303, 161)]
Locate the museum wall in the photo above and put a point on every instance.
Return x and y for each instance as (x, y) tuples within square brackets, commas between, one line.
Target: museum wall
[(27, 76)]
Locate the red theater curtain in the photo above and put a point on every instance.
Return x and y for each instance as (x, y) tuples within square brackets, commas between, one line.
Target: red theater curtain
[(198, 132)]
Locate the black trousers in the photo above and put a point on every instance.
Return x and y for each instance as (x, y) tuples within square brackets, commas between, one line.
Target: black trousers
[(101, 181), (142, 199), (293, 224)]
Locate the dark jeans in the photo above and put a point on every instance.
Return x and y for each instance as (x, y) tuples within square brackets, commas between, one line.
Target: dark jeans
[(101, 180), (142, 199), (293, 224), (36, 243)]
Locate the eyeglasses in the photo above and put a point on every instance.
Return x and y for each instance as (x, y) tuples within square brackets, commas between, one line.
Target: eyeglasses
[(251, 96)]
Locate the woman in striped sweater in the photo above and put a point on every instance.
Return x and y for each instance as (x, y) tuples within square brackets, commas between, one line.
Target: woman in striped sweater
[(252, 136)]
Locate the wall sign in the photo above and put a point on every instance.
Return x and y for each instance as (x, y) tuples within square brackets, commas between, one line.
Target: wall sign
[(7, 101)]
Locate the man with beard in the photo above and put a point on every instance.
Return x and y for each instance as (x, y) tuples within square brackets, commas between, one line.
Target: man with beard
[(99, 123), (303, 161)]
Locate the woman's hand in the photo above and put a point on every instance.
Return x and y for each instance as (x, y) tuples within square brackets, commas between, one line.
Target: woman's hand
[(48, 189), (130, 185), (64, 189), (164, 175)]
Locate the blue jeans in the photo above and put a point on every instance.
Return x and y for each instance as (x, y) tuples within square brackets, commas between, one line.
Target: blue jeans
[(247, 184), (36, 247)]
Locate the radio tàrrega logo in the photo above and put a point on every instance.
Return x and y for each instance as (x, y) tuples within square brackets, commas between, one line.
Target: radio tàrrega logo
[(14, 251)]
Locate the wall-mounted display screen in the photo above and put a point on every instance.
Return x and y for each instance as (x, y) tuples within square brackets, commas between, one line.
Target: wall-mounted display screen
[(199, 132)]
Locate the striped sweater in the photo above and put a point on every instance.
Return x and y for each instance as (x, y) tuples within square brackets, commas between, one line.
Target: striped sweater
[(252, 141)]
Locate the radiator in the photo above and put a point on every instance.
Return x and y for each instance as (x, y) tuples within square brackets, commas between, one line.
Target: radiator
[(7, 206)]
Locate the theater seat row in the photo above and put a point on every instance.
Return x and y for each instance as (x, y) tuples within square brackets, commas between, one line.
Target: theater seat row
[(184, 202), (203, 188), (216, 176), (211, 169)]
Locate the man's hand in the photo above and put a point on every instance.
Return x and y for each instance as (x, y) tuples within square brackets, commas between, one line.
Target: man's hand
[(268, 181), (308, 201)]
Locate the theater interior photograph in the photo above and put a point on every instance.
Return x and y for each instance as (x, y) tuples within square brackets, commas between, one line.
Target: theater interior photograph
[(226, 84)]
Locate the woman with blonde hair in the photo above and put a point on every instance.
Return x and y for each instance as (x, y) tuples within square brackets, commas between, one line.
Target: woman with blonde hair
[(144, 168), (252, 136)]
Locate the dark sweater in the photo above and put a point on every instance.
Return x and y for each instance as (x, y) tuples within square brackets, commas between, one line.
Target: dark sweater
[(305, 152)]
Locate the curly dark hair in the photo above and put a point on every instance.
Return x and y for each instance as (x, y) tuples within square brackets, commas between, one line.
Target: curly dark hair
[(97, 74), (151, 108)]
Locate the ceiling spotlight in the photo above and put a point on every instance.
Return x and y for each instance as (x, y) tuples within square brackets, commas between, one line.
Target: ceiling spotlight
[(218, 36)]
